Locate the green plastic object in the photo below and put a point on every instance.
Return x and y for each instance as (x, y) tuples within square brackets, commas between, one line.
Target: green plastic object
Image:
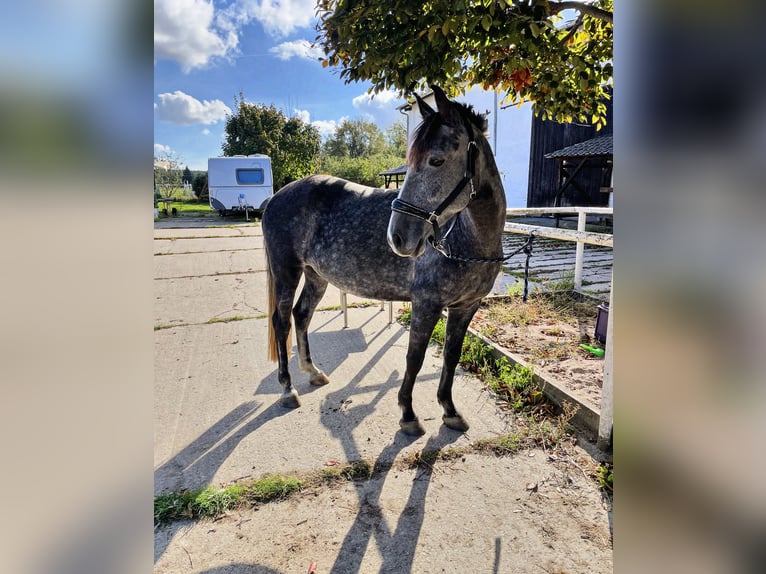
[(594, 350)]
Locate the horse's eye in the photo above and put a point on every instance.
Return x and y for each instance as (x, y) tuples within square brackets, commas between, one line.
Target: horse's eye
[(435, 161)]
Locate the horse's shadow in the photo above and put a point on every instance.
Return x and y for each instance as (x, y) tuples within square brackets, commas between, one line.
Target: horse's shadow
[(397, 547), (329, 350), (196, 464)]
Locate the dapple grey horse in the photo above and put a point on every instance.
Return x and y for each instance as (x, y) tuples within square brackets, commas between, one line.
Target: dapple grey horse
[(382, 245)]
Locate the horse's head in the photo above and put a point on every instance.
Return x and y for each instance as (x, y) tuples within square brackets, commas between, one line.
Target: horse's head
[(441, 161)]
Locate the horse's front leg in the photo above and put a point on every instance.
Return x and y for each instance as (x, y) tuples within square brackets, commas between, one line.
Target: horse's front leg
[(457, 325), (424, 318)]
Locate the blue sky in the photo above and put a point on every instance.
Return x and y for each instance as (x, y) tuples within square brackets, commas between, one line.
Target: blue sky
[(206, 53)]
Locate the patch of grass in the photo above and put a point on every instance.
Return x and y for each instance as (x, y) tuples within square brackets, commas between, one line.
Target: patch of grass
[(404, 316), (427, 458), (235, 318), (534, 430), (540, 308), (273, 487), (564, 282), (360, 305), (357, 470), (211, 502)]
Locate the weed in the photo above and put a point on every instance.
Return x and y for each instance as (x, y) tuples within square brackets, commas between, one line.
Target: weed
[(405, 315), (605, 477), (515, 289), (357, 470), (439, 333), (564, 282)]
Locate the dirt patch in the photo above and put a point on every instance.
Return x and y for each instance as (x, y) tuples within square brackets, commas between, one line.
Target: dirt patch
[(547, 331)]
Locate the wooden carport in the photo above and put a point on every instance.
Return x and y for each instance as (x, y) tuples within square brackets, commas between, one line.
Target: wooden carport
[(591, 154), (394, 175)]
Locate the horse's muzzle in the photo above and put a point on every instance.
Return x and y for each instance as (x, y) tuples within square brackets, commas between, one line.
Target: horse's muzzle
[(406, 240)]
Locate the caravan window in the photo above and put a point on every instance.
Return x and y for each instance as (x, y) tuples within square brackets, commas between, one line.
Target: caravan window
[(250, 176)]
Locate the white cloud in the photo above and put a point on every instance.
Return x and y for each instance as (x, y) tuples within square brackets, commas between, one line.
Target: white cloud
[(160, 150), (186, 31), (192, 32), (303, 115), (183, 109), (296, 49), (387, 99), (278, 17), (379, 108), (206, 132), (326, 127)]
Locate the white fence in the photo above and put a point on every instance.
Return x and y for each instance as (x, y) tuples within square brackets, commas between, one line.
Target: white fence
[(580, 236)]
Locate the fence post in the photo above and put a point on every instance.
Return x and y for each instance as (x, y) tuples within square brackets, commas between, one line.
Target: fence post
[(580, 250), (606, 417), (344, 308)]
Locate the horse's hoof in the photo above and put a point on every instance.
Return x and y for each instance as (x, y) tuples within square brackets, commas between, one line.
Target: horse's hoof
[(319, 380), (455, 423), (412, 428), (290, 400)]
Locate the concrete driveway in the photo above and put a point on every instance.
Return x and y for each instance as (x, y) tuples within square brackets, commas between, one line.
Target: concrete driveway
[(218, 420)]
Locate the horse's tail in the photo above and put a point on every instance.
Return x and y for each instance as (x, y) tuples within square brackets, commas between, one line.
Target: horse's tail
[(273, 355)]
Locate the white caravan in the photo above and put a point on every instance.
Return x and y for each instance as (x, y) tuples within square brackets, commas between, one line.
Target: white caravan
[(239, 183)]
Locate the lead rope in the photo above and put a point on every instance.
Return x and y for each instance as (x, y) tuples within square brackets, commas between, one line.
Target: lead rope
[(526, 248)]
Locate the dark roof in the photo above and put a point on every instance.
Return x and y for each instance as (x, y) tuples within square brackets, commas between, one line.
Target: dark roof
[(596, 147), (401, 170)]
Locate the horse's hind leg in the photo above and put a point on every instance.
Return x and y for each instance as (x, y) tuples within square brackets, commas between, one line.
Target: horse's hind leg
[(424, 318), (284, 291), (313, 291), (457, 325)]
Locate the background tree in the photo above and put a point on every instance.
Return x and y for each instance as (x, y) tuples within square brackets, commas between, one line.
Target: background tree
[(396, 138), (167, 175), (359, 151), (292, 144), (355, 138), (523, 48), (199, 186), (187, 176)]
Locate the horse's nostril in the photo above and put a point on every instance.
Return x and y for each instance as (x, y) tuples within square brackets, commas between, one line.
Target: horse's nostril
[(397, 240)]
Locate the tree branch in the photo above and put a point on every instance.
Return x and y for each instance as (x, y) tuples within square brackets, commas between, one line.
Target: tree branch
[(582, 8), (572, 30)]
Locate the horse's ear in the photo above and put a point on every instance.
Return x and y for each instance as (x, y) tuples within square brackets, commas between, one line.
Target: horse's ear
[(445, 107), (424, 109)]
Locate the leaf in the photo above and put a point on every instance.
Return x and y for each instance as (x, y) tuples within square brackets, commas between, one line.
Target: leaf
[(486, 22), (535, 29)]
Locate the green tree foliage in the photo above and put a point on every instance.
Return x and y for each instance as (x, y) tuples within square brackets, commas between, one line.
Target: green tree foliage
[(359, 151), (187, 175), (396, 138), (292, 144), (523, 48), (199, 185), (362, 170), (355, 138)]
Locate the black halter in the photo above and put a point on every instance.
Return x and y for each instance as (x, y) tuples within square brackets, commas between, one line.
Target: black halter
[(401, 206)]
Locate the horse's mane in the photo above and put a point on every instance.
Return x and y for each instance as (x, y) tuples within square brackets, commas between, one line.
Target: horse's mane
[(426, 132)]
